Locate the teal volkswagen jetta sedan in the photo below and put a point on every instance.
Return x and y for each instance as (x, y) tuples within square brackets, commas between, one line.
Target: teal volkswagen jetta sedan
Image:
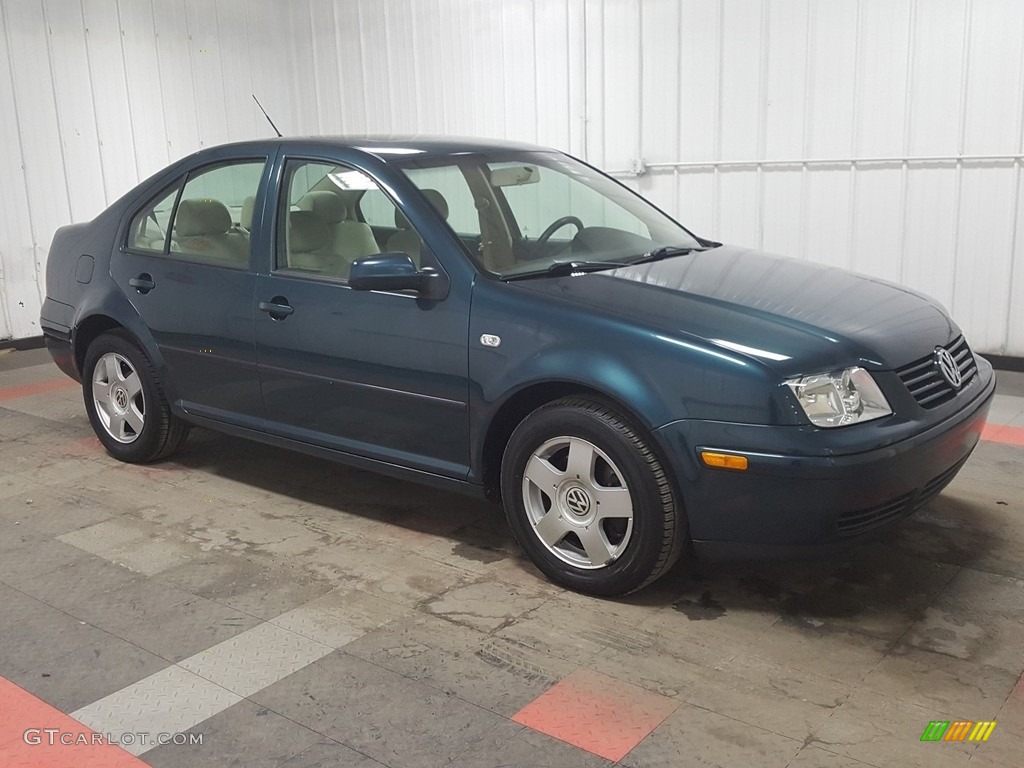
[(505, 319)]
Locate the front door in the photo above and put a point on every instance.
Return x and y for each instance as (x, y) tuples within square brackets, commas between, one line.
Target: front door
[(186, 269), (377, 374)]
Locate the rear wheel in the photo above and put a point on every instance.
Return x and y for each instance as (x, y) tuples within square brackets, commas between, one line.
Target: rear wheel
[(588, 500), (125, 402)]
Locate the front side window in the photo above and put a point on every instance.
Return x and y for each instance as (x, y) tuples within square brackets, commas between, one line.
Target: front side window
[(335, 215)]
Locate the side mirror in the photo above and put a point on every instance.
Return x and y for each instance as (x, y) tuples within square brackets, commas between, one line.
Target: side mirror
[(396, 272)]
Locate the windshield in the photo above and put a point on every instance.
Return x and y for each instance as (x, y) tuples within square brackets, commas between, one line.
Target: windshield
[(519, 213)]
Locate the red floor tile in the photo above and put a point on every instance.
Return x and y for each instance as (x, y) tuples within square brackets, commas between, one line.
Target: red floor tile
[(998, 433), (21, 711), (600, 714), (39, 387)]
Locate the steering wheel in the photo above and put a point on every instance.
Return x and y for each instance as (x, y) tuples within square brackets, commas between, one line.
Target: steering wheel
[(554, 226)]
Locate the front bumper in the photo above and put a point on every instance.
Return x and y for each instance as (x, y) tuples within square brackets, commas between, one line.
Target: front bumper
[(790, 503)]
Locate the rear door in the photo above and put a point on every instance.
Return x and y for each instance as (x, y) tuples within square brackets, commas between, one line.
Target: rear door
[(186, 266)]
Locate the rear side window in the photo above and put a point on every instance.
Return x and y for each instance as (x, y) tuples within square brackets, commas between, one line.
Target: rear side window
[(148, 230), (207, 221), (214, 215)]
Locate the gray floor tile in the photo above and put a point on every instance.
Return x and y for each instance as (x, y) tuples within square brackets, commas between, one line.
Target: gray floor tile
[(33, 633), (234, 579), (242, 736), (181, 630), (497, 674), (941, 682), (378, 712), (696, 737), (88, 673), (330, 754), (26, 557), (55, 511), (816, 757), (882, 731), (769, 696), (514, 745), (485, 605)]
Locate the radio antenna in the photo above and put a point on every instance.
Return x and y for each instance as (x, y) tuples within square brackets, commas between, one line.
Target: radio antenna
[(266, 115)]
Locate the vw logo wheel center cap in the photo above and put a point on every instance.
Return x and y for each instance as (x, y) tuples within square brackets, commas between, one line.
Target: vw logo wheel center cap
[(119, 397), (576, 503)]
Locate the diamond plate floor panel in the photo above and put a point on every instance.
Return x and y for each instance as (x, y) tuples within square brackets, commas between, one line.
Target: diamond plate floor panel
[(598, 713), (171, 701)]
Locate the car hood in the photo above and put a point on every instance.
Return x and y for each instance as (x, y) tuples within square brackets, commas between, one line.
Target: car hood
[(791, 315)]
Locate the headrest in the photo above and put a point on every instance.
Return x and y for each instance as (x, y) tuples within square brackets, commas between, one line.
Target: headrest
[(197, 218), (435, 198), (245, 217), (307, 232), (327, 205)]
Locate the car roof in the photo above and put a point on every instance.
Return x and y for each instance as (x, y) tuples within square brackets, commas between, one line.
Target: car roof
[(391, 147)]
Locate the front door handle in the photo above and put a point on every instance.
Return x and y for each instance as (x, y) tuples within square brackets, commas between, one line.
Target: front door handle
[(278, 307), (143, 283)]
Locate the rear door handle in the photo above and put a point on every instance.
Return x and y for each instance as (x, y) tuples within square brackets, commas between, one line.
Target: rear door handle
[(278, 307), (143, 283)]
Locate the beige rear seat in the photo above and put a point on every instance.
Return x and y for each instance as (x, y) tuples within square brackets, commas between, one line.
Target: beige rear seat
[(349, 239), (202, 229)]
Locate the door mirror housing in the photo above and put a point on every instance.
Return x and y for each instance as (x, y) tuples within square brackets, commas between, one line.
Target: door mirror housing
[(396, 271)]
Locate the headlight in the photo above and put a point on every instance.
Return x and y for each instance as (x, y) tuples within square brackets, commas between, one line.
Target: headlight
[(839, 398)]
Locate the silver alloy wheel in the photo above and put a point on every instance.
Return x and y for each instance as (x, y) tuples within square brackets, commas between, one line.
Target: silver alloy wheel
[(118, 397), (577, 502)]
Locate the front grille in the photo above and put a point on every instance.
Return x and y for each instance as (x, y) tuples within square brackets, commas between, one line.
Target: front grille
[(861, 521), (864, 520), (927, 384), (934, 486)]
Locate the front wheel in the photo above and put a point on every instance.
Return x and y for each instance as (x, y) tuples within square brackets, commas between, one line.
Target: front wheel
[(125, 402), (588, 500)]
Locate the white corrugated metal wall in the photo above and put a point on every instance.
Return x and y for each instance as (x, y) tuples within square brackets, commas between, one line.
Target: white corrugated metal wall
[(96, 95), (727, 101), (881, 135)]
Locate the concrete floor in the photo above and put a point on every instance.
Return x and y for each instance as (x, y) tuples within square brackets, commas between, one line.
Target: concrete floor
[(297, 613)]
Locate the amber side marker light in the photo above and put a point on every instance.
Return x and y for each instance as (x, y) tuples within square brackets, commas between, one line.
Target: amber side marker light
[(724, 460)]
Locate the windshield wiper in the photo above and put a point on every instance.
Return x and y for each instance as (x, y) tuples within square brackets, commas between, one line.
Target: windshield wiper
[(665, 252), (563, 268)]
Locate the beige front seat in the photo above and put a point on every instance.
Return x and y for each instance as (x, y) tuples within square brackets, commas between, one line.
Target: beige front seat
[(349, 238), (202, 228), (405, 239)]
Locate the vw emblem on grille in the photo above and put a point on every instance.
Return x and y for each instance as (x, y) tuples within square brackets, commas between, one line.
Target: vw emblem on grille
[(948, 367), (577, 501)]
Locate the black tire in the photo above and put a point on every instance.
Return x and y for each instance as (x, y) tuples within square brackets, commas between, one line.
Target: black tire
[(658, 523), (162, 432)]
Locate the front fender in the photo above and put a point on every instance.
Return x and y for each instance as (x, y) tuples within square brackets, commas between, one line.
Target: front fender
[(520, 338)]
